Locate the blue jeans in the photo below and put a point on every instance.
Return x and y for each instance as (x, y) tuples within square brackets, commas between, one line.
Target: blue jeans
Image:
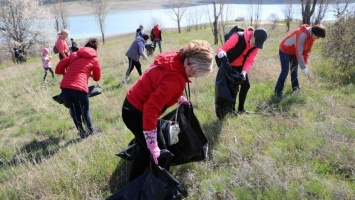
[(78, 102), (287, 62), (159, 44)]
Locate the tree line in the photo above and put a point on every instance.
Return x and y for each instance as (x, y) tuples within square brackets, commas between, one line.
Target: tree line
[(24, 23)]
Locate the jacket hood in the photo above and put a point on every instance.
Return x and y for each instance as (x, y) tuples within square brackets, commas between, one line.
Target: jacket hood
[(171, 61), (305, 29), (247, 34), (87, 52)]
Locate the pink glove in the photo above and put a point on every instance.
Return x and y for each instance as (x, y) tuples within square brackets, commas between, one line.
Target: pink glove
[(152, 143), (182, 99), (155, 151)]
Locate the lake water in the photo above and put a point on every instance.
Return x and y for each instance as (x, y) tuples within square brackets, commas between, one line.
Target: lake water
[(85, 26)]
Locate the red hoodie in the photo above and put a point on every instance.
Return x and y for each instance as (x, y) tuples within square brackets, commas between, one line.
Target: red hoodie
[(158, 88), (77, 67)]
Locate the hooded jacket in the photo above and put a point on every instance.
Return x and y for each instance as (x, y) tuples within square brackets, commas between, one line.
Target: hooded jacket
[(46, 61), (158, 88), (136, 50), (238, 62), (77, 68), (299, 42)]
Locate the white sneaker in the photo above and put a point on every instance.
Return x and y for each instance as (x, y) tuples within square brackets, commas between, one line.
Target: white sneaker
[(125, 80)]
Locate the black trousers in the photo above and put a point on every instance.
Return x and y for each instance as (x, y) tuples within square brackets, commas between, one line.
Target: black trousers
[(133, 119), (244, 88), (45, 72), (131, 64), (61, 57)]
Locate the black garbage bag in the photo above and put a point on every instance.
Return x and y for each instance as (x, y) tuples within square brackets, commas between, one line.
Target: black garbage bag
[(226, 88), (192, 145), (129, 152), (156, 183)]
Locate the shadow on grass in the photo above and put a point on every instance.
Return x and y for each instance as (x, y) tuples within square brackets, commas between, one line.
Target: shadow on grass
[(35, 151), (113, 87), (119, 178), (276, 106), (212, 131)]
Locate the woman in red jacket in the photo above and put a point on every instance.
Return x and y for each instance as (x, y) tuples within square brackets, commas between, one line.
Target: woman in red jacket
[(160, 87), (76, 70), (156, 36), (294, 49)]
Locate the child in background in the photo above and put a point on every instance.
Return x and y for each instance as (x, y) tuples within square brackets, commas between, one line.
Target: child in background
[(46, 61)]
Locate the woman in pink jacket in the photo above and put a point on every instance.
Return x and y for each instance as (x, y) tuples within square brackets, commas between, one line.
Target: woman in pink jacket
[(76, 70), (241, 61), (61, 44), (160, 87)]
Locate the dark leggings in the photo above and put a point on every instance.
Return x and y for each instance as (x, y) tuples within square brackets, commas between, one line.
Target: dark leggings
[(78, 102), (45, 72), (133, 119), (244, 88), (132, 63)]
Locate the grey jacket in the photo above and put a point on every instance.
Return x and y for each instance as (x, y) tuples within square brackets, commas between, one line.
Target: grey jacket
[(136, 49)]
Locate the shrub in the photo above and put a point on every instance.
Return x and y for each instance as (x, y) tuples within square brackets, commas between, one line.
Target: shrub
[(338, 49)]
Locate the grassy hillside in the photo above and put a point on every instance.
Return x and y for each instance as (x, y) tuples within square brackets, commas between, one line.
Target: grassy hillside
[(299, 148)]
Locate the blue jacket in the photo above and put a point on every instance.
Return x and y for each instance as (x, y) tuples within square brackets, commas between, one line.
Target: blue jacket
[(136, 49)]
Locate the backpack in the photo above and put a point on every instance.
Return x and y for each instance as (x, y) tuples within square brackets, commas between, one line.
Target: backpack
[(235, 29), (238, 49), (55, 50)]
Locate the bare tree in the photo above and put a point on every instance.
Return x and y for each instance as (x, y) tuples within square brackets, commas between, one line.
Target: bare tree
[(340, 7), (23, 25), (226, 16), (198, 16), (179, 8), (274, 18), (288, 12), (251, 14), (59, 11), (320, 11), (308, 8), (217, 11), (101, 10), (257, 14)]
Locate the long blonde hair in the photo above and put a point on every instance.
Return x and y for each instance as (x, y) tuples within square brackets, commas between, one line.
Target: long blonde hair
[(198, 54)]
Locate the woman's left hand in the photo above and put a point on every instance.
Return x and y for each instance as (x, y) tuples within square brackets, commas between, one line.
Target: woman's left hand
[(183, 99)]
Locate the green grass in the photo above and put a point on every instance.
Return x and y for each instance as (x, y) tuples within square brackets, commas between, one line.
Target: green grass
[(299, 148)]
